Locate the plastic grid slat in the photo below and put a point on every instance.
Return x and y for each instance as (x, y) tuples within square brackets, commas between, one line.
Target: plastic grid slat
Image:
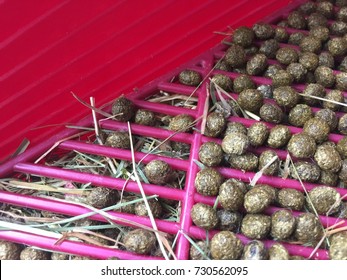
[(187, 204), (95, 179)]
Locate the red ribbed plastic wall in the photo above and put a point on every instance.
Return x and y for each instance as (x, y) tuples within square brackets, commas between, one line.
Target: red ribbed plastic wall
[(99, 48)]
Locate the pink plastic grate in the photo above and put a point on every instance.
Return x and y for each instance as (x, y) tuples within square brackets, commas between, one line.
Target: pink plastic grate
[(188, 196)]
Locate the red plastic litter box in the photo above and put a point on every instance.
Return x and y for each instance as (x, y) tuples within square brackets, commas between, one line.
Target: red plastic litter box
[(101, 49), (105, 49)]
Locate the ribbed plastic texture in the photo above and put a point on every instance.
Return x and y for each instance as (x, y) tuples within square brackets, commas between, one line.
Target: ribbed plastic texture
[(101, 49), (188, 196)]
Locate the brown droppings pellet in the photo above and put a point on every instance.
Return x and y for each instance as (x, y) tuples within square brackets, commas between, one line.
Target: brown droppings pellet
[(296, 20), (298, 72), (326, 59), (307, 8), (328, 158), (145, 117), (266, 157), (328, 178), (190, 78), (158, 172), (130, 208), (342, 147), (313, 90), (123, 109), (281, 34), (240, 184), (235, 127), (320, 32), (55, 256), (154, 206), (296, 38), (278, 252), (272, 70), (195, 254), (324, 76), (343, 172), (223, 81), (300, 114), (101, 197), (287, 55), (338, 246), (255, 250), (325, 8), (225, 245), (341, 81), (302, 145), (257, 200), (229, 220), (279, 136), (118, 139), (266, 91), (258, 134), (181, 123), (246, 162), (208, 181), (30, 253), (250, 100), (338, 28), (235, 143), (256, 226), (282, 224), (231, 197), (291, 198), (243, 36), (316, 19), (139, 241), (342, 126), (306, 171), (204, 216), (325, 200), (310, 44), (318, 129), (309, 60), (269, 48), (342, 14), (257, 64), (271, 113), (9, 250), (242, 83), (337, 46), (235, 56), (281, 78), (333, 95), (215, 124), (308, 228), (272, 191), (329, 117), (263, 31), (211, 154), (286, 96)]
